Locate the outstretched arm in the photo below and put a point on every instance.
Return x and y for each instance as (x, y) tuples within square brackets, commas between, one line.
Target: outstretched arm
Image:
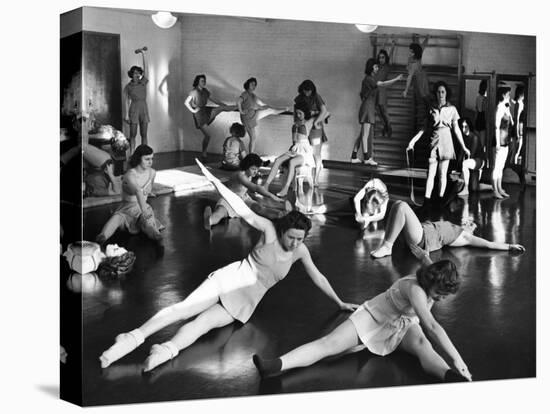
[(384, 84), (414, 140), (145, 71), (469, 239), (216, 101), (255, 188), (240, 207), (320, 280), (435, 333)]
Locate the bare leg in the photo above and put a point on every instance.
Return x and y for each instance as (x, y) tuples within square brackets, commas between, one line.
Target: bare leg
[(318, 162), (275, 169), (341, 339), (205, 140), (133, 135), (416, 343), (218, 215), (202, 298), (359, 140), (365, 129), (467, 165), (143, 132), (219, 109), (113, 224), (252, 135), (443, 167), (432, 169), (214, 317), (294, 162), (498, 166), (401, 218)]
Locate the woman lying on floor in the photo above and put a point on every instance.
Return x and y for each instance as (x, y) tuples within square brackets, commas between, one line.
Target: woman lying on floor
[(232, 292), (242, 185), (430, 235), (399, 318)]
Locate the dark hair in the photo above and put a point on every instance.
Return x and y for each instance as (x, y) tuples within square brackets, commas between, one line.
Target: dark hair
[(292, 220), (135, 69), (237, 130), (417, 50), (251, 160), (369, 66), (468, 122), (197, 79), (501, 91), (307, 85), (371, 196), (139, 152), (248, 82), (442, 275), (482, 87), (302, 106), (520, 91), (447, 89), (382, 52)]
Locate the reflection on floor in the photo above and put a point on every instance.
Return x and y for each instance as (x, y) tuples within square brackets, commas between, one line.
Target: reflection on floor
[(491, 320)]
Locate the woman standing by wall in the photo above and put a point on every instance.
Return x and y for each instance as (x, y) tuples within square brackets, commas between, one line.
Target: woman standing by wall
[(135, 93), (442, 118), (367, 117)]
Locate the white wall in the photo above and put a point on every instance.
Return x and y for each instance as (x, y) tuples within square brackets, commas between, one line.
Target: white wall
[(281, 54), (163, 55)]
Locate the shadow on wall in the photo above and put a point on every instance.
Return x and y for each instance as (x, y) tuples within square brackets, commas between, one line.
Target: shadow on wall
[(171, 87)]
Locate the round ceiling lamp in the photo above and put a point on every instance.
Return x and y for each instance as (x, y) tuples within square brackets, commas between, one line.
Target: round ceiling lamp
[(366, 28), (165, 20)]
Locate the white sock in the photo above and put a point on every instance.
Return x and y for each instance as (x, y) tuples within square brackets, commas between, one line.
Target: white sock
[(124, 344), (384, 250), (160, 354)]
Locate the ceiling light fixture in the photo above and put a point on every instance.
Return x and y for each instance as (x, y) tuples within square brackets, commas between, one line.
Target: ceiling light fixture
[(366, 28), (164, 20)]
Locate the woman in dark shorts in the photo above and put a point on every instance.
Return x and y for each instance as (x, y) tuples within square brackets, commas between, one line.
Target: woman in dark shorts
[(477, 155), (204, 115), (431, 235)]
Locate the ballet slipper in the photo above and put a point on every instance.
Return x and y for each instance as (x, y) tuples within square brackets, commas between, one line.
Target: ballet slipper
[(382, 251), (159, 355), (124, 344), (496, 194)]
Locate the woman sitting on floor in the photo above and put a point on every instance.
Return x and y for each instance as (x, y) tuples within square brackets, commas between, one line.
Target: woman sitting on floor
[(399, 318), (370, 203), (300, 153), (135, 215), (430, 235), (242, 185), (231, 293)]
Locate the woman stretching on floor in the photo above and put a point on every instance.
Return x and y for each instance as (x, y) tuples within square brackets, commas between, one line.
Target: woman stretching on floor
[(232, 292), (204, 115), (431, 236), (398, 318), (299, 154), (253, 109), (135, 215), (370, 203), (241, 184)]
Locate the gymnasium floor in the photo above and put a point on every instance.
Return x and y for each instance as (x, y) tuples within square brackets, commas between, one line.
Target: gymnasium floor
[(491, 320)]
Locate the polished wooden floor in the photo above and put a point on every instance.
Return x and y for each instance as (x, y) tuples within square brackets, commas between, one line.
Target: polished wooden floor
[(491, 320)]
